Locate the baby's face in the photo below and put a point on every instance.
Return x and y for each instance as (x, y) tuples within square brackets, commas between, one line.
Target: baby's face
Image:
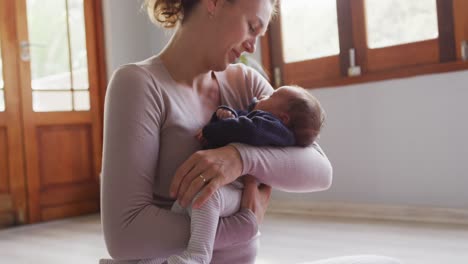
[(277, 102)]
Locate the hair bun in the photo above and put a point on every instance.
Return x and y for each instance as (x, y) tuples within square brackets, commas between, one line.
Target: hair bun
[(168, 13)]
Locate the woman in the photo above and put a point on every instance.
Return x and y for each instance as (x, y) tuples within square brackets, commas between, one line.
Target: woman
[(151, 156)]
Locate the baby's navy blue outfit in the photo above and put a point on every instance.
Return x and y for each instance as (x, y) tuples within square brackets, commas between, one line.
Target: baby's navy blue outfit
[(256, 128)]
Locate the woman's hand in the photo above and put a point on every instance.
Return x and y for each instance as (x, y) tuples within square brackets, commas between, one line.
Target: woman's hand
[(205, 170), (255, 197), (199, 136)]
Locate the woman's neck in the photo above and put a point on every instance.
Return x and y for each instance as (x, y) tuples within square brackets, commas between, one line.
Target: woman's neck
[(184, 59)]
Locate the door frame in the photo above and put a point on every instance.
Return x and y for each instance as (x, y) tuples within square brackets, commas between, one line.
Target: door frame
[(50, 197), (14, 200)]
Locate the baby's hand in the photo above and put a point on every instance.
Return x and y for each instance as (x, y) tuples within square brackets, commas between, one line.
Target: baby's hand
[(200, 137), (224, 114)]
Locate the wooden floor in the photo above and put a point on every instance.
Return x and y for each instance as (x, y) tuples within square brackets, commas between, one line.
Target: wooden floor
[(285, 239)]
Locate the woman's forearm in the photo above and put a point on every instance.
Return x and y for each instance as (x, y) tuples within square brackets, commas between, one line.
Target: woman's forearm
[(291, 169), (158, 233)]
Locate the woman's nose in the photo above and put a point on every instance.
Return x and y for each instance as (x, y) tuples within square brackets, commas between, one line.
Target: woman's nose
[(250, 45)]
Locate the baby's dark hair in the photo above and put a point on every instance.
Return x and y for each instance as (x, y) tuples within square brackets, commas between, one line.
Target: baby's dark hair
[(306, 117)]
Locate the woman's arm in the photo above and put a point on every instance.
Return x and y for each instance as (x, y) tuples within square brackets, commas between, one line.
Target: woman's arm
[(293, 169), (134, 228)]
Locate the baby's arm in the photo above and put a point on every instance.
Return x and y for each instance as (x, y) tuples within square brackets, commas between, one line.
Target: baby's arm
[(254, 129), (223, 112)]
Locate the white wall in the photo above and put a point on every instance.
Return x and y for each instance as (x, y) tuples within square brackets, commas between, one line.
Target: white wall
[(128, 33), (396, 142)]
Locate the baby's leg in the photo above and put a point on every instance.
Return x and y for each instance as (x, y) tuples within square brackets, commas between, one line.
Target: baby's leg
[(203, 226)]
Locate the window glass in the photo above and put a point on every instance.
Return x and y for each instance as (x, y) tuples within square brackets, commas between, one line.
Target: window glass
[(2, 86), (48, 101), (2, 101), (395, 22), (309, 29), (78, 44), (57, 44), (81, 101)]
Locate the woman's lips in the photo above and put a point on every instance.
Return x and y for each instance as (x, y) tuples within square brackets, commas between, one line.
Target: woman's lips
[(236, 54), (233, 55)]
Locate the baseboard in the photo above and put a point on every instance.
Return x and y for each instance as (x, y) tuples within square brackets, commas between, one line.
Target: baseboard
[(371, 211)]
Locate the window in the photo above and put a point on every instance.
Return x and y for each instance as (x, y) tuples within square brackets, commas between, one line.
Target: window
[(59, 66), (391, 23), (302, 38), (316, 43), (2, 86)]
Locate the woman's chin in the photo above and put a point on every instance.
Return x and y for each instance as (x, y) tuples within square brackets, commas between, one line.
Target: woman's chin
[(219, 66)]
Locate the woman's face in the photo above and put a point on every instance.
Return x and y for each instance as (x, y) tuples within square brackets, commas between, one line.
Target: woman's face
[(236, 26)]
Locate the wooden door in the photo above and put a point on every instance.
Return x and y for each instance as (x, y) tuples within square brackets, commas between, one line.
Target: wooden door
[(12, 181), (60, 78)]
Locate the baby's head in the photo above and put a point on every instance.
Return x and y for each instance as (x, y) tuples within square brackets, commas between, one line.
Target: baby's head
[(299, 110)]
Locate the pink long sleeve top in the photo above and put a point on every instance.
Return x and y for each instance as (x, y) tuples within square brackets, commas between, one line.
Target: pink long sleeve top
[(149, 128)]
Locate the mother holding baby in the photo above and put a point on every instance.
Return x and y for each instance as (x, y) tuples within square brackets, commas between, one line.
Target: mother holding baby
[(151, 156)]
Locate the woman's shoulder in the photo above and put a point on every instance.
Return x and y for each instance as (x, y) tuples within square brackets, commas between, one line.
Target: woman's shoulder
[(240, 71), (148, 73), (241, 76), (133, 84), (129, 72), (136, 82), (144, 70)]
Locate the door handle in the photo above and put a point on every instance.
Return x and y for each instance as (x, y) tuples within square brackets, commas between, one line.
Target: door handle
[(24, 49)]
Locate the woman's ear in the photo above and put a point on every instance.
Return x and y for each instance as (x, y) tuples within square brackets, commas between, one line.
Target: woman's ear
[(210, 5)]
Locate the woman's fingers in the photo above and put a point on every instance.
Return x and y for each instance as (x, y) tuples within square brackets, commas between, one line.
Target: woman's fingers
[(191, 180), (188, 190), (206, 193), (180, 174), (249, 195), (255, 197), (218, 166), (196, 185), (265, 194)]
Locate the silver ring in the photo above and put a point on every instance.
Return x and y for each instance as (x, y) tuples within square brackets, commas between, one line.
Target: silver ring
[(203, 178)]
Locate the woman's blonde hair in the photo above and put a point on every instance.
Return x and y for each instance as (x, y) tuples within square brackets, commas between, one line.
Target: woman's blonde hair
[(168, 13)]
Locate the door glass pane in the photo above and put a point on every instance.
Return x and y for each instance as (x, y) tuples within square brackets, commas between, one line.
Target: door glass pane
[(78, 44), (58, 52), (2, 101), (2, 86), (81, 100), (48, 37), (309, 29), (395, 22), (48, 101)]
